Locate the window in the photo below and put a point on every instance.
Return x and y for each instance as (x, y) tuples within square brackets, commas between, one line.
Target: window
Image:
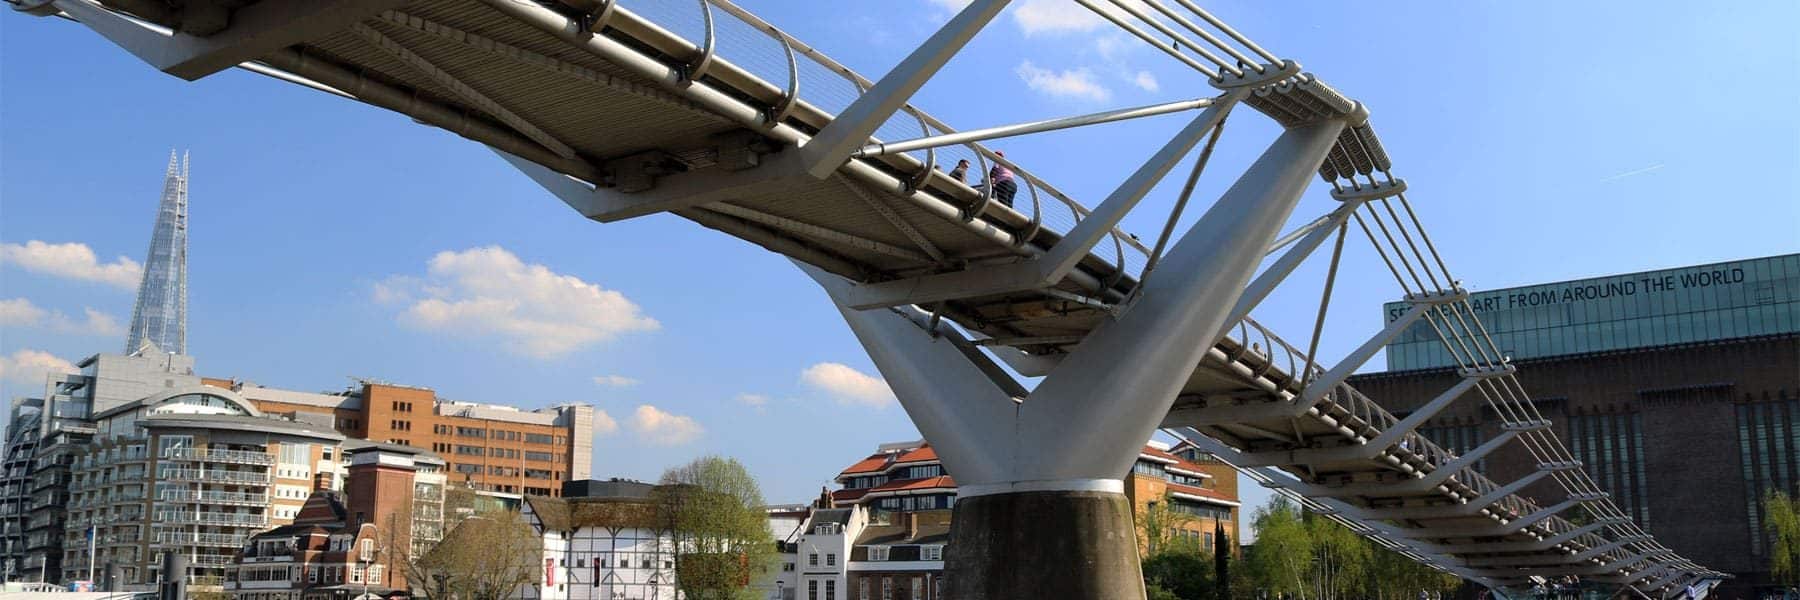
[(918, 588), (878, 553), (312, 574), (931, 553), (538, 438), (812, 560), (538, 456), (812, 590), (474, 432), (862, 589), (831, 589), (887, 589), (831, 559)]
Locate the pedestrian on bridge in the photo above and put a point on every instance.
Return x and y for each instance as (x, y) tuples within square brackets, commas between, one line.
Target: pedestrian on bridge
[(961, 172), (1000, 179)]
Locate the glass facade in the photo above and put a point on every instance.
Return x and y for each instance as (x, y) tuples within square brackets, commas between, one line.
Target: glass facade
[(1690, 304)]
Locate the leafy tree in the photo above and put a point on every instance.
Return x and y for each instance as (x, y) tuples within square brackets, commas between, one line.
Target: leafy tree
[(1340, 557), (722, 533), (1221, 561), (1156, 524), (485, 557), (1181, 570), (1783, 522), (1281, 563)]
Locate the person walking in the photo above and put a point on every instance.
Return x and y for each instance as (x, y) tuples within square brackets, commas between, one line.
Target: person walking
[(961, 172), (1001, 181)]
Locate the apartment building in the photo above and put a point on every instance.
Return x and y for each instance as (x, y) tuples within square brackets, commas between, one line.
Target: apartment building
[(1197, 492), (488, 447), (192, 471)]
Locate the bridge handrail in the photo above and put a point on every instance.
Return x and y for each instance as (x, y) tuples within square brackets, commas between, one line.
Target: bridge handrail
[(929, 124)]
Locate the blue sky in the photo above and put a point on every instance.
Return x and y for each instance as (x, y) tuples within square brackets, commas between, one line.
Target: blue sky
[(1543, 141)]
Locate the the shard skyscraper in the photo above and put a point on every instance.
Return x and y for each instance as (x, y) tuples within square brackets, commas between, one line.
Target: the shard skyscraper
[(160, 317)]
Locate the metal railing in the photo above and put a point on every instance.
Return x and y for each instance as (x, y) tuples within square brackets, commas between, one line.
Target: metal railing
[(212, 497), (242, 457), (808, 80), (214, 476), (183, 538), (213, 518)]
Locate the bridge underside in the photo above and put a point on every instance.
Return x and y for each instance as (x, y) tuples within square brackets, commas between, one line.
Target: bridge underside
[(713, 117)]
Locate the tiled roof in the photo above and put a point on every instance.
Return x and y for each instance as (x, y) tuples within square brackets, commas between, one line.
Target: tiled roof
[(1177, 461), (872, 464), (921, 454), (941, 481), (888, 535), (1201, 492)]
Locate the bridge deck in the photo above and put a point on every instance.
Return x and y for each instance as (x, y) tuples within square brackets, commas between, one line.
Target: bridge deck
[(661, 111)]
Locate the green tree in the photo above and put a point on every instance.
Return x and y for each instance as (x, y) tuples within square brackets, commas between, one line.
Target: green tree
[(1783, 523), (1340, 557), (722, 533), (1181, 570), (1221, 552), (1157, 523), (1281, 563)]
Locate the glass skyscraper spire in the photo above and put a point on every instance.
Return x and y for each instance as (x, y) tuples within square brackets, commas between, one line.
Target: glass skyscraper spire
[(160, 317)]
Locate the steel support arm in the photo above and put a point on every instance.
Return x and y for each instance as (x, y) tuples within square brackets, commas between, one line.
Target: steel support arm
[(953, 393), (1006, 131), (1265, 283), (828, 150), (1433, 479), (1046, 270), (255, 30), (1460, 510), (1355, 360), (1525, 561)]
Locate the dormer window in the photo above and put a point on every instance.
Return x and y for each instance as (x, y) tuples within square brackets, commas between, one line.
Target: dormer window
[(878, 553)]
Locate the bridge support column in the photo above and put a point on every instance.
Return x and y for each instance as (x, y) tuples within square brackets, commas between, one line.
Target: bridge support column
[(1041, 510)]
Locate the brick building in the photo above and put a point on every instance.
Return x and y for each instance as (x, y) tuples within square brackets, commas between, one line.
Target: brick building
[(488, 447), (1678, 390), (343, 543)]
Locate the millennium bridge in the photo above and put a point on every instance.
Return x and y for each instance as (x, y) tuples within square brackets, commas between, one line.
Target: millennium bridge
[(626, 108)]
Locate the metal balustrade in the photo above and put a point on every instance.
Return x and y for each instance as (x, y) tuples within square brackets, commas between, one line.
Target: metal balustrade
[(241, 457), (213, 518), (214, 476), (212, 497)]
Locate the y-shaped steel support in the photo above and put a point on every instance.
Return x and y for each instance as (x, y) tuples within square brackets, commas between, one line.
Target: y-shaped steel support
[(1041, 510)]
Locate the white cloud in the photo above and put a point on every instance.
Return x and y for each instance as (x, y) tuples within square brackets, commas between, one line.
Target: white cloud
[(1062, 16), (604, 424), (614, 381), (949, 5), (73, 260), (848, 385), (19, 312), (29, 366), (532, 310), (1145, 81), (662, 428), (1072, 83), (757, 402)]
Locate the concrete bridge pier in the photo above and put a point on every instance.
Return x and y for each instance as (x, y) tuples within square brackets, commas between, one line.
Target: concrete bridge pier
[(1041, 510)]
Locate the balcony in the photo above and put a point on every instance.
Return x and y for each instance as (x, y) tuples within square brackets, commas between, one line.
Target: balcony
[(219, 540), (211, 497), (236, 457), (213, 518), (216, 476)]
